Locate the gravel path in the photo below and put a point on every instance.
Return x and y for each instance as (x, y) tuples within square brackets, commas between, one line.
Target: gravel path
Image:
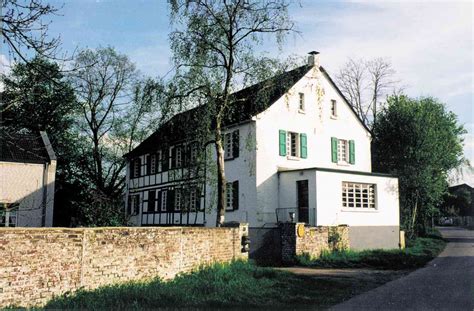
[(446, 283)]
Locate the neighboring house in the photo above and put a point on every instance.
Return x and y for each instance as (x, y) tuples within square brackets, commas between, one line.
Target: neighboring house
[(27, 174), (459, 201), (293, 147)]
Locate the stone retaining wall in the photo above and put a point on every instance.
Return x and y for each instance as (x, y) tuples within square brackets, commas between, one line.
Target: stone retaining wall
[(39, 263), (298, 239)]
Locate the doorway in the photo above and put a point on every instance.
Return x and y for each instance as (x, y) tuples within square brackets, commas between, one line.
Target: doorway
[(302, 197)]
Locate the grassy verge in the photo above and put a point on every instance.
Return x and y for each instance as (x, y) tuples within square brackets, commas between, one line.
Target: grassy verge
[(237, 285), (417, 253)]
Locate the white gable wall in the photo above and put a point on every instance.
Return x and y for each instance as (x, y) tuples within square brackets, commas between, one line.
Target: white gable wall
[(317, 124)]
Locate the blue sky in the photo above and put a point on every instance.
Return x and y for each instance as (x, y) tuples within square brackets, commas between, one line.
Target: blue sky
[(429, 43)]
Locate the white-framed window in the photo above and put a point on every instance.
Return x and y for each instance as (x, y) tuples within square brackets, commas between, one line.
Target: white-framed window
[(193, 199), (153, 163), (179, 157), (292, 144), (133, 204), (301, 105), (358, 195), (229, 206), (158, 161), (228, 146), (333, 108), (136, 168), (231, 145), (8, 214), (177, 200), (342, 151), (193, 152), (164, 200)]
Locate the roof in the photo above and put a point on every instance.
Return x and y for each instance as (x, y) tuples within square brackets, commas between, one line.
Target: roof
[(464, 185), (25, 147), (246, 103)]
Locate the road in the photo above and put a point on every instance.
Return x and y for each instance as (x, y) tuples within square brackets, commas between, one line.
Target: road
[(446, 283)]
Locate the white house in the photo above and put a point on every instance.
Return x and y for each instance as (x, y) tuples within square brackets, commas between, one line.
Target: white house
[(293, 146), (27, 176)]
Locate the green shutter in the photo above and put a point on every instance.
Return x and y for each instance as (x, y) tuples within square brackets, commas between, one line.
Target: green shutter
[(351, 152), (282, 143), (303, 146), (334, 149)]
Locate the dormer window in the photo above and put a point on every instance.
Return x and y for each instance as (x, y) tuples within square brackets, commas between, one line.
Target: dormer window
[(301, 106), (333, 108)]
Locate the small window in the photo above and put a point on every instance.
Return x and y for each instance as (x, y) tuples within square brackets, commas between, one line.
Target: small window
[(8, 214), (228, 146), (133, 203), (301, 106), (153, 164), (151, 206), (231, 145), (358, 195), (179, 157), (135, 168), (193, 153), (177, 200), (164, 200), (292, 144), (342, 151), (232, 196), (333, 108), (192, 199)]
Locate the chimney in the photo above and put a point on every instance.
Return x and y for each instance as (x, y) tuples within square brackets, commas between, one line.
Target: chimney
[(313, 59)]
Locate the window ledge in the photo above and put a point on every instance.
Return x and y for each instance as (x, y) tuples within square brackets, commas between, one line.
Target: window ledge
[(343, 164), (360, 210), (292, 158)]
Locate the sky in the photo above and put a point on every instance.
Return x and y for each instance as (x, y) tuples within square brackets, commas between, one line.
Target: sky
[(429, 43)]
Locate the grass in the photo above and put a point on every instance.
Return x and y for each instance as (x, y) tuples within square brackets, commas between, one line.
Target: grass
[(236, 285), (240, 284), (417, 253)]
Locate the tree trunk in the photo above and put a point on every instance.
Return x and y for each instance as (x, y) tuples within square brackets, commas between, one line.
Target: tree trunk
[(221, 182)]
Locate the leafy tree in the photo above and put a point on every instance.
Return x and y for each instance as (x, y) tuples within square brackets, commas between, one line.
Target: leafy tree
[(42, 100), (116, 110), (214, 45), (37, 97), (418, 141)]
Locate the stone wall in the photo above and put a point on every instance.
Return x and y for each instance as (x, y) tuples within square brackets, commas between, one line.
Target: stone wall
[(299, 239), (37, 264)]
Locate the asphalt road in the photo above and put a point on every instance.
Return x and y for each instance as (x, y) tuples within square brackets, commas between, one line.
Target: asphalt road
[(446, 283)]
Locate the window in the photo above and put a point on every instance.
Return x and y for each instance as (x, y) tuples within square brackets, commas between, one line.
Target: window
[(301, 106), (133, 202), (151, 206), (153, 164), (342, 151), (193, 199), (292, 144), (164, 200), (358, 195), (177, 200), (193, 153), (176, 157), (135, 167), (333, 108), (232, 196), (8, 214), (231, 145), (158, 161)]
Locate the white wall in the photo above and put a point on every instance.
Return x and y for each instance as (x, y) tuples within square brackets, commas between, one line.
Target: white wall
[(329, 201), (319, 127), (23, 183)]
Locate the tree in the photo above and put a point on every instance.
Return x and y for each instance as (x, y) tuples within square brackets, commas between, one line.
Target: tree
[(114, 104), (418, 141), (365, 84), (23, 28), (214, 47)]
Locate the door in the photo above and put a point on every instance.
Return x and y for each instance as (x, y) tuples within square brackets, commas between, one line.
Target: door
[(302, 195)]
